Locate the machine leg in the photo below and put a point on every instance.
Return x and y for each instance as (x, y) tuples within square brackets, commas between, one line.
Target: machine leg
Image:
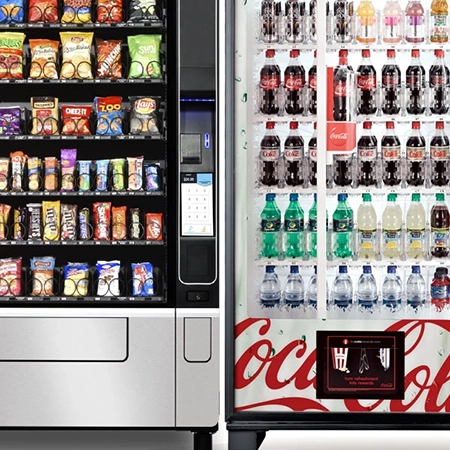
[(203, 441), (245, 440)]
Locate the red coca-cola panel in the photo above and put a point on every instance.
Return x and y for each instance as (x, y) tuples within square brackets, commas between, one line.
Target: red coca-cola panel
[(341, 136)]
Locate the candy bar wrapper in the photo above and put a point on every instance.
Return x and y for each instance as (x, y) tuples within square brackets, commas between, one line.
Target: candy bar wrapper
[(42, 270), (108, 278), (153, 226), (135, 228), (34, 222), (84, 224), (4, 170), (51, 220), (34, 173), (20, 224), (119, 223), (68, 163), (101, 180), (51, 174), (135, 173), (76, 279), (118, 174), (18, 160), (68, 222), (142, 279), (4, 218), (102, 221), (10, 276), (152, 177), (84, 175)]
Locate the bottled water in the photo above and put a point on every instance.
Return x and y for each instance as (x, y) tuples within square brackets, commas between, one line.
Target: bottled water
[(294, 292), (270, 291), (392, 289), (415, 288), (342, 289), (366, 291), (312, 289)]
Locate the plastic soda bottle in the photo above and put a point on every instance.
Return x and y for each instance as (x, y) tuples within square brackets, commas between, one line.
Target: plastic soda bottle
[(270, 228), (270, 290), (415, 22), (342, 290), (391, 224), (440, 289), (392, 288), (366, 31), (367, 229), (415, 229), (392, 15), (415, 288), (294, 228), (343, 229), (294, 292), (366, 291), (440, 228), (439, 17)]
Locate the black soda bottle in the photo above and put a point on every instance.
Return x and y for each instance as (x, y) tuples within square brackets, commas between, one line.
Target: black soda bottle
[(312, 81), (269, 156), (295, 20), (390, 154), (312, 150), (391, 81), (270, 10), (439, 154), (367, 85), (293, 156), (415, 156), (415, 85), (439, 84), (367, 156), (341, 89), (294, 83), (270, 79)]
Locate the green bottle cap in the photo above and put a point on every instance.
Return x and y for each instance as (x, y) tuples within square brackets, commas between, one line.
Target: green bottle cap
[(367, 198), (392, 197), (440, 197), (415, 197)]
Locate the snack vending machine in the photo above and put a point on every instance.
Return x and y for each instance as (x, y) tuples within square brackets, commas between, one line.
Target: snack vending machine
[(338, 221), (108, 229)]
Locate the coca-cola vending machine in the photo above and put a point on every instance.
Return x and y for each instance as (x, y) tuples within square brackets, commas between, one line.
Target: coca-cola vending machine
[(338, 224)]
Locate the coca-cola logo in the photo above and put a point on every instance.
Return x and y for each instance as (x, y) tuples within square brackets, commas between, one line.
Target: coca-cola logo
[(391, 154), (340, 89), (313, 82), (266, 369), (313, 154), (269, 154), (416, 153), (292, 154), (369, 154), (439, 154), (367, 83), (270, 82), (338, 137), (294, 83)]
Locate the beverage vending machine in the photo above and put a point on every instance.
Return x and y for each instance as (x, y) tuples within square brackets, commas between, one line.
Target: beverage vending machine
[(108, 223), (337, 183)]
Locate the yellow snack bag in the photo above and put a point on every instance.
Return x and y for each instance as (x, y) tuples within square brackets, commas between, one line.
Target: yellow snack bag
[(51, 220), (76, 54)]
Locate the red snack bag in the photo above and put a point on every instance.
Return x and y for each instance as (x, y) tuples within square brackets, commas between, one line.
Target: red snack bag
[(153, 227), (76, 120), (109, 11), (10, 276), (43, 11), (102, 221)]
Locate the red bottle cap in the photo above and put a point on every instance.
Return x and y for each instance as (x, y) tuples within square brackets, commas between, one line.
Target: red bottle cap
[(315, 53), (315, 125), (439, 125), (343, 61), (294, 53), (367, 125), (390, 125), (366, 53), (293, 125), (270, 53), (416, 125), (439, 53), (391, 53), (270, 125), (415, 53)]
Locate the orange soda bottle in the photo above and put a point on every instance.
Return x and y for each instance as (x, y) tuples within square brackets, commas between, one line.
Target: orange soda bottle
[(439, 18), (366, 23)]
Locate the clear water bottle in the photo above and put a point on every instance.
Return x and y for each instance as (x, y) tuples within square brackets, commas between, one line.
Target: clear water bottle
[(294, 292), (415, 288), (342, 289), (270, 291), (366, 291), (312, 289), (391, 290)]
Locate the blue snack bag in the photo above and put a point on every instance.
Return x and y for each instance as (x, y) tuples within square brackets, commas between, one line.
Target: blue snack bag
[(109, 116), (142, 279)]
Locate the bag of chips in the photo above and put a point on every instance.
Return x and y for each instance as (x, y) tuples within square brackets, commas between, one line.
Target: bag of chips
[(44, 54), (18, 161), (109, 60), (34, 173), (50, 174), (68, 163), (145, 58), (143, 119), (108, 278), (142, 279), (76, 279), (109, 11), (135, 173), (11, 55), (143, 11), (119, 223), (76, 120), (10, 276), (12, 11), (51, 212), (4, 218), (109, 116), (76, 53), (77, 11), (4, 174), (45, 117), (10, 120), (43, 11), (42, 271)]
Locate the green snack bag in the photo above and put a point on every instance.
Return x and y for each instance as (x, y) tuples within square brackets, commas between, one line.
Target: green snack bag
[(118, 174), (144, 54)]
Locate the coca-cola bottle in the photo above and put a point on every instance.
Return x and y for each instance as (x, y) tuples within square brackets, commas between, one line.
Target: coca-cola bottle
[(439, 154), (343, 169), (439, 84), (342, 77), (391, 82), (415, 85), (367, 156), (312, 150), (295, 21), (390, 154), (293, 156), (343, 21), (313, 20), (270, 10), (312, 82), (415, 156), (367, 85), (270, 156), (270, 79), (294, 83)]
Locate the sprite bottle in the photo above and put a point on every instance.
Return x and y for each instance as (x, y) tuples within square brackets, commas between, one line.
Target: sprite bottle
[(312, 229), (293, 228), (270, 228), (343, 229)]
